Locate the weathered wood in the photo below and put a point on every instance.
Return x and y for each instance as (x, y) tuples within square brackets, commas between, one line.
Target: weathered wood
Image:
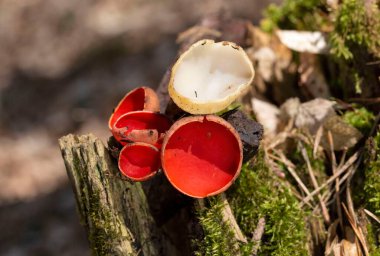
[(114, 212), (250, 132)]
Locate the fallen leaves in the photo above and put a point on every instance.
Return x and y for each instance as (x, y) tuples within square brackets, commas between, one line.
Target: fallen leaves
[(304, 41)]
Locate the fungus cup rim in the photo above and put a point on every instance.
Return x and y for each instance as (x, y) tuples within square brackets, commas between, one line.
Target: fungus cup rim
[(211, 106), (201, 119), (128, 146), (131, 113), (152, 105)]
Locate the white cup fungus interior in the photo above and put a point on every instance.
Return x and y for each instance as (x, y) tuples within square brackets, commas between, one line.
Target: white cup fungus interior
[(211, 71)]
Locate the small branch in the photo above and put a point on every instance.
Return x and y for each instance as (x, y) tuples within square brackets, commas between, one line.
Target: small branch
[(325, 212), (333, 166), (317, 141), (292, 171), (373, 216), (257, 235), (229, 218), (339, 172)]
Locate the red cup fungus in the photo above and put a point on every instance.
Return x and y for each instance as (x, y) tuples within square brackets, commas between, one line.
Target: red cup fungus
[(139, 161), (142, 98), (137, 125), (141, 126), (201, 155)]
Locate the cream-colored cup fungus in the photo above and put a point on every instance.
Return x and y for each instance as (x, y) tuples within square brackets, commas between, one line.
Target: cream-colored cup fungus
[(209, 76)]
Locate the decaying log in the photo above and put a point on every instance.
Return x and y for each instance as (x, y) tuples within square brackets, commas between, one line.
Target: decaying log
[(114, 212)]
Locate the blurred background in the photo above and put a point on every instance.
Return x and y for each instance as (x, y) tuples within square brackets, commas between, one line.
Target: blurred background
[(63, 67)]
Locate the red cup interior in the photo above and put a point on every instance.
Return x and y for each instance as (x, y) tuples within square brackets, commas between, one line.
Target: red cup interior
[(201, 157), (133, 101), (139, 161)]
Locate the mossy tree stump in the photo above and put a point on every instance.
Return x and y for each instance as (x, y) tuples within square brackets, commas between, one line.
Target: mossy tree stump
[(114, 212)]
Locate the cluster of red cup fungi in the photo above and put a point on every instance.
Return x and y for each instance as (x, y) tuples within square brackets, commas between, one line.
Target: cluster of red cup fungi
[(200, 155)]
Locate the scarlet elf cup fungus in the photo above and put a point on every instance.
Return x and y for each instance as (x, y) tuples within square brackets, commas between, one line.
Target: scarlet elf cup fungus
[(139, 161), (201, 155), (141, 126), (209, 76), (137, 125), (142, 98)]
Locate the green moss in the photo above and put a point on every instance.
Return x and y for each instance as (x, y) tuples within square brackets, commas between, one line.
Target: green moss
[(371, 190), (354, 23), (103, 230), (353, 33), (231, 107), (100, 219), (360, 118), (258, 193), (372, 176), (373, 236), (357, 23), (294, 14), (367, 190), (218, 238)]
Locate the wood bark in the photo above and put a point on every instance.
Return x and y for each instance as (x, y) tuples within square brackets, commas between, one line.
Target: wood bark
[(114, 212)]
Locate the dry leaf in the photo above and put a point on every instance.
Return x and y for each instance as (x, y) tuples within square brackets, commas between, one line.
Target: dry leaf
[(266, 59), (348, 248), (290, 108), (303, 41), (312, 114), (267, 114), (332, 239), (344, 135)]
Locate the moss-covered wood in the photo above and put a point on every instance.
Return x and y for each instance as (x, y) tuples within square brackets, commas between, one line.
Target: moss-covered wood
[(255, 196), (114, 212)]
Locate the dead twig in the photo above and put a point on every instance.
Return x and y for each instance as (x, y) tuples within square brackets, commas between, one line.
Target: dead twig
[(333, 166), (325, 212), (290, 167), (339, 172), (257, 235), (229, 218), (317, 140), (276, 170), (357, 230), (373, 216)]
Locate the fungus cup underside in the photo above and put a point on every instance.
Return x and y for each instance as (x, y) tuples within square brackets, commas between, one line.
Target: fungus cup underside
[(140, 120)]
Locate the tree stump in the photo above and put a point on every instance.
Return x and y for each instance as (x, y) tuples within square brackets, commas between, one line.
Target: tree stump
[(114, 212)]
